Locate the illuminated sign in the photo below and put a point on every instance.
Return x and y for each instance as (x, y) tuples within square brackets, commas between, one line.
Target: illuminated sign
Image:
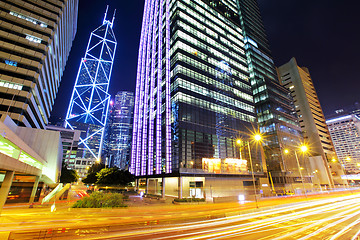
[(234, 165), (351, 177), (211, 165), (228, 165)]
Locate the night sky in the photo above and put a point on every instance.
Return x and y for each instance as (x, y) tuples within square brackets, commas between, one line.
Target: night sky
[(323, 35)]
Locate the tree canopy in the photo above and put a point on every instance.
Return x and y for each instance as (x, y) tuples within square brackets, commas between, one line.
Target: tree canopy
[(68, 176), (114, 176), (108, 176)]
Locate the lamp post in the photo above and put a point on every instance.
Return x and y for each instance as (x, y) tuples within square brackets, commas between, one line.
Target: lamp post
[(304, 149), (257, 138), (239, 142), (316, 172), (343, 168)]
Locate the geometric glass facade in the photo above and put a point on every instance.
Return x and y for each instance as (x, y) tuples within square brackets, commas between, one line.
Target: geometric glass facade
[(275, 110), (117, 144), (89, 103), (193, 96)]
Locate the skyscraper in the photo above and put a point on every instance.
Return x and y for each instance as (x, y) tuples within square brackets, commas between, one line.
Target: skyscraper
[(70, 140), (35, 41), (119, 130), (312, 121), (89, 103), (345, 134), (194, 100), (274, 105)]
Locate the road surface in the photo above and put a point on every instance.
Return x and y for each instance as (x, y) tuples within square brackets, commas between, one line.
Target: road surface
[(335, 217)]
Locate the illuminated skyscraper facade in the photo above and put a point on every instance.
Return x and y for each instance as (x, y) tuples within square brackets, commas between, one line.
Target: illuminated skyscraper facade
[(345, 134), (312, 121), (90, 99), (193, 98), (119, 130), (275, 110), (36, 38)]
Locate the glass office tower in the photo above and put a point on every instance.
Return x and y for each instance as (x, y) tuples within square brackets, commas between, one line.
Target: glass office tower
[(193, 97), (89, 103), (117, 142), (275, 110)]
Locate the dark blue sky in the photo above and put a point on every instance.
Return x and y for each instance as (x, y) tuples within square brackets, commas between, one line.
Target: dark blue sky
[(323, 35)]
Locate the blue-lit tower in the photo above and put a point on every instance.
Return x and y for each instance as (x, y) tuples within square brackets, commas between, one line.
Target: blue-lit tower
[(90, 99)]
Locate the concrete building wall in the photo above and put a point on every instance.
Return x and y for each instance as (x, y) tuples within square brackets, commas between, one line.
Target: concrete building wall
[(311, 118), (36, 41), (345, 133), (49, 146)]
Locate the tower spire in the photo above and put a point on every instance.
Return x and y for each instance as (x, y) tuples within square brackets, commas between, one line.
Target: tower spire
[(107, 8), (113, 19)]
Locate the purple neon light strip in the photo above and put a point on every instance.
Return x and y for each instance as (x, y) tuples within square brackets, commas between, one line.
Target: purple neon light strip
[(144, 157), (158, 94), (141, 91), (142, 97), (137, 96), (168, 103), (152, 100)]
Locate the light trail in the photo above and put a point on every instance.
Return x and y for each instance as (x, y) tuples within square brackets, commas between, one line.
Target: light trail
[(276, 220), (345, 229), (355, 237), (320, 222), (219, 232)]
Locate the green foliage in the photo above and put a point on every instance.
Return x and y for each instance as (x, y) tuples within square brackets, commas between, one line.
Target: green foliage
[(96, 167), (101, 200), (114, 176), (189, 200), (68, 176), (90, 178), (107, 176)]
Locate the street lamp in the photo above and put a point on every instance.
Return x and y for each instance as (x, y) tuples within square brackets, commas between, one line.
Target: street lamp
[(316, 172), (257, 138), (239, 142), (304, 149), (344, 170)]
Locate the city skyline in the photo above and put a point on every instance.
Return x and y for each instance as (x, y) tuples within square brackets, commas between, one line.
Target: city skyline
[(326, 71), (179, 102)]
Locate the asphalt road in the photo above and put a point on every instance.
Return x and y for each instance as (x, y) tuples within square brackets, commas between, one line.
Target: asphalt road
[(334, 217), (326, 219)]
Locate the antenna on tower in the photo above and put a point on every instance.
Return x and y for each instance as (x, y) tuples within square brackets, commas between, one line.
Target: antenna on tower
[(112, 22), (107, 8)]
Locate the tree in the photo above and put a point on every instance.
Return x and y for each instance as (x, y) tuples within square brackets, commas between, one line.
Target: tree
[(68, 176), (114, 176), (91, 176), (96, 167)]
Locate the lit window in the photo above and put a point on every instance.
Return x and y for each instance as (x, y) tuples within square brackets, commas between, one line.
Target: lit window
[(29, 19), (11, 63), (10, 85), (33, 38)]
